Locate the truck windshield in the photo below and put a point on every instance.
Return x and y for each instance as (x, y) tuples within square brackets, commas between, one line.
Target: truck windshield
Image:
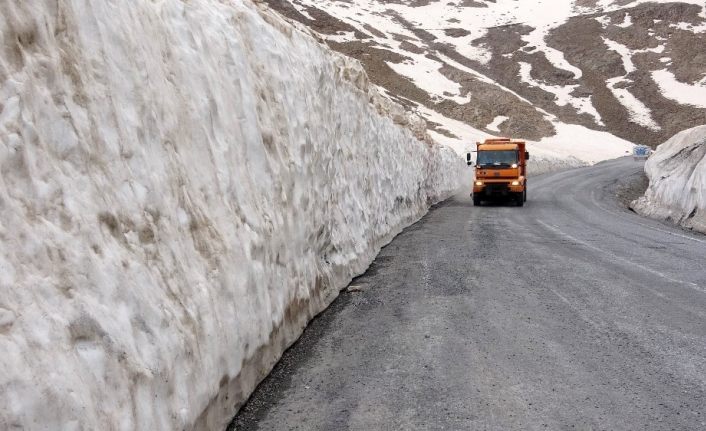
[(497, 158)]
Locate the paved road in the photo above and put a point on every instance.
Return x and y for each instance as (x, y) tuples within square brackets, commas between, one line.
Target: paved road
[(569, 313)]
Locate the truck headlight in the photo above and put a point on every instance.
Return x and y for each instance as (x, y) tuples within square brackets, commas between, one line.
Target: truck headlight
[(514, 166), (515, 183), (479, 183)]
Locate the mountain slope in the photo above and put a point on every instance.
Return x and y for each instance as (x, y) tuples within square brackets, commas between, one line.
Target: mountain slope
[(551, 71)]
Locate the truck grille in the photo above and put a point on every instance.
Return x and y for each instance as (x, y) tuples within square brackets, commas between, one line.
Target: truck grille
[(496, 189)]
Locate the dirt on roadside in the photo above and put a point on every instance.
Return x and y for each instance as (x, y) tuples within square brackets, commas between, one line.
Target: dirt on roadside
[(629, 188)]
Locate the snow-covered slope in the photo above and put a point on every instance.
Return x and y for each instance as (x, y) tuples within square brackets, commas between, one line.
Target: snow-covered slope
[(677, 174), (557, 72), (183, 185)]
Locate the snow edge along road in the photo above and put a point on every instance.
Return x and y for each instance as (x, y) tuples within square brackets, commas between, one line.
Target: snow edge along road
[(183, 198)]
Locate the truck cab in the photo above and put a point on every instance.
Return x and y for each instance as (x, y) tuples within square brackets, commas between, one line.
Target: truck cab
[(501, 171)]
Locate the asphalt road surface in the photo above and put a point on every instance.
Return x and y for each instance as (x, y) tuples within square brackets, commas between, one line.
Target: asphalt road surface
[(569, 313)]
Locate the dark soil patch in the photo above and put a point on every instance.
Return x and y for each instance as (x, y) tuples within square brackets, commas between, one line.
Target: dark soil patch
[(627, 189)]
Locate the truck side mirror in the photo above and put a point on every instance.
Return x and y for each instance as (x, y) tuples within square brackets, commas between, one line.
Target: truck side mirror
[(526, 155), (469, 162)]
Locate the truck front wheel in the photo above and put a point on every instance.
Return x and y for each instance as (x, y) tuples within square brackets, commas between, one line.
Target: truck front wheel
[(476, 200), (520, 199)]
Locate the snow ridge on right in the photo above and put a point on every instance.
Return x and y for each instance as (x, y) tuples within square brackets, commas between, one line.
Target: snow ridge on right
[(677, 174)]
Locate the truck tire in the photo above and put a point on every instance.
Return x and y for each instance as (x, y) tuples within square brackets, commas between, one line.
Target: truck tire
[(524, 194), (520, 199), (476, 200)]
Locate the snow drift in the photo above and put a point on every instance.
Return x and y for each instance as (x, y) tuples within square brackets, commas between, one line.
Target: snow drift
[(677, 174), (183, 186)]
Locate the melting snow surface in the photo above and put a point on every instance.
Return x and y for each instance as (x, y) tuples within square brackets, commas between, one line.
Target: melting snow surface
[(587, 145), (184, 185), (572, 145), (677, 173), (425, 74), (562, 93), (493, 126), (627, 22), (687, 94), (638, 112)]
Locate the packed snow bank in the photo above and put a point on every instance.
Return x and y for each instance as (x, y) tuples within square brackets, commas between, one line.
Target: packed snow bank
[(183, 186), (677, 174)]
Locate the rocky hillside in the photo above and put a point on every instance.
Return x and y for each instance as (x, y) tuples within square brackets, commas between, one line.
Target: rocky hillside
[(550, 70)]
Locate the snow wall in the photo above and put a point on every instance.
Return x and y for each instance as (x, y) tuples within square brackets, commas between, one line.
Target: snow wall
[(677, 174), (543, 164), (183, 186)]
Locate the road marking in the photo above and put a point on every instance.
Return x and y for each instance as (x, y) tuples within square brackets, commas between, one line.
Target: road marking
[(645, 268), (630, 219), (575, 309)]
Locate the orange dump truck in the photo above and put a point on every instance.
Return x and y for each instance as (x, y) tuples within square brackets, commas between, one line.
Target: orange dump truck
[(501, 171)]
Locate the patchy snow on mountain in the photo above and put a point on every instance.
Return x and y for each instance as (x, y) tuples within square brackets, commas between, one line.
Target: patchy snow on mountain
[(681, 92), (562, 93), (493, 126), (468, 135), (587, 145), (425, 75), (538, 63), (183, 185), (627, 22), (677, 174), (638, 111), (571, 146)]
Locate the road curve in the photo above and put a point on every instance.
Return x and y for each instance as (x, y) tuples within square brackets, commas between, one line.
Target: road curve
[(569, 313)]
